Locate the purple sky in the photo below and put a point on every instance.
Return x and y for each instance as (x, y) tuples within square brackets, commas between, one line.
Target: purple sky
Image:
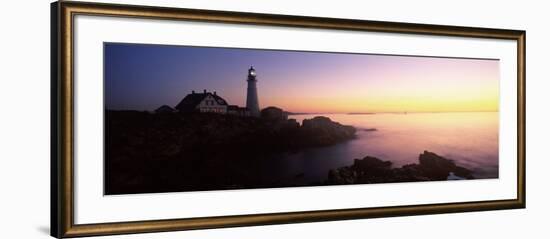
[(144, 77)]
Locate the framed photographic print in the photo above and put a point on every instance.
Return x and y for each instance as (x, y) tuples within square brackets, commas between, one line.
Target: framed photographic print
[(170, 119)]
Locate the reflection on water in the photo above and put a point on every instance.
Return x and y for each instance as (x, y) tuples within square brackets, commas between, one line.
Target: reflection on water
[(471, 139)]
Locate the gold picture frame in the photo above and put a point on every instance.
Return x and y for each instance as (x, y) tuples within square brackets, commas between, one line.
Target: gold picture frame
[(62, 180)]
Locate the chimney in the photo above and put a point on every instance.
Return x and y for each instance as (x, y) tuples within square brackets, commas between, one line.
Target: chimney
[(193, 92), (204, 91), (214, 92)]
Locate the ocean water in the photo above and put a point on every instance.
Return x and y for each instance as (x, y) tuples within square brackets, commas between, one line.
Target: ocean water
[(470, 139)]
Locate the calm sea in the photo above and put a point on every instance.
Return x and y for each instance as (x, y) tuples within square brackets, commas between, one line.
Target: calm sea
[(471, 139)]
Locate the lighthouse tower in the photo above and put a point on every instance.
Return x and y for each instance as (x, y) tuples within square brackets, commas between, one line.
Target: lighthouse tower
[(252, 103)]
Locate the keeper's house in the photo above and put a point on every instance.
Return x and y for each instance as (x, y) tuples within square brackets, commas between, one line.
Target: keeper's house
[(202, 102), (208, 102)]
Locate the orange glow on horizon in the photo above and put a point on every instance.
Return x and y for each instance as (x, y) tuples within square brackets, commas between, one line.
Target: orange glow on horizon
[(410, 85), (458, 98)]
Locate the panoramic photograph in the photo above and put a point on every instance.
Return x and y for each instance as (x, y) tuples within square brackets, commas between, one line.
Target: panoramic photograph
[(192, 118)]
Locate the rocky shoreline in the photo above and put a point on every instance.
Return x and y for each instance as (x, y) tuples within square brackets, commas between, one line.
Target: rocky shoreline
[(431, 167), (172, 152), (166, 152)]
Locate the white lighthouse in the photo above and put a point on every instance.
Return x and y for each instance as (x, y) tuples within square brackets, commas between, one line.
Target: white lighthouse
[(252, 103)]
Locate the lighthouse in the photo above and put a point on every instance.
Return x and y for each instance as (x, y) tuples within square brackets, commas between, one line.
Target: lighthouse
[(252, 103)]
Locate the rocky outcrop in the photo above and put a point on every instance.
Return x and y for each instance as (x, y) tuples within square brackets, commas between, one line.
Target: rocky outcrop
[(436, 167), (323, 131), (369, 129), (202, 151), (431, 167)]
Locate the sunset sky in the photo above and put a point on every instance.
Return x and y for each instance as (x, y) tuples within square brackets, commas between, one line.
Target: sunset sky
[(144, 77)]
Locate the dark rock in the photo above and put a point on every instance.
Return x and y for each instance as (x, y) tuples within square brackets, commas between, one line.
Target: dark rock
[(322, 131), (366, 170), (463, 172), (167, 152), (273, 113), (370, 129), (432, 167), (368, 163), (435, 166), (438, 168), (292, 123)]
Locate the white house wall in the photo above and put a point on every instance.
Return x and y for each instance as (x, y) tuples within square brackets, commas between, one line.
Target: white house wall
[(209, 104)]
